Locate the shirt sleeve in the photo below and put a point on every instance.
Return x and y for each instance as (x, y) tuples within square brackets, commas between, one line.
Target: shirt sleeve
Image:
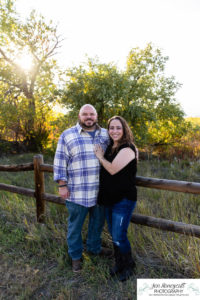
[(61, 160)]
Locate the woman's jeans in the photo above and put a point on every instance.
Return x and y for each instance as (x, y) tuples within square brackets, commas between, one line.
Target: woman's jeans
[(76, 218), (118, 217)]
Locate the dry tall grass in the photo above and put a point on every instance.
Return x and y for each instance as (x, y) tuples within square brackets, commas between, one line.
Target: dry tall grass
[(34, 263)]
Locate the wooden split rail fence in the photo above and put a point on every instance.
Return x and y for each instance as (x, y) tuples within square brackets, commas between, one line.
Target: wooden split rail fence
[(41, 197)]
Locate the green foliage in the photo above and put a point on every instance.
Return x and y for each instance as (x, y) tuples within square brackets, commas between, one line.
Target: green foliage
[(27, 92), (182, 142), (149, 100), (141, 93), (98, 84)]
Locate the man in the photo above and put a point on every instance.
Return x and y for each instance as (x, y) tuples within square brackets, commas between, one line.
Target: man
[(76, 169)]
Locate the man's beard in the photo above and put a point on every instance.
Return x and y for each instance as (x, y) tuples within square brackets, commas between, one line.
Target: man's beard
[(88, 126)]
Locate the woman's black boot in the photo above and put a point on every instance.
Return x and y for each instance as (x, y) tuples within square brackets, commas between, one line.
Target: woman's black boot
[(128, 265), (118, 261)]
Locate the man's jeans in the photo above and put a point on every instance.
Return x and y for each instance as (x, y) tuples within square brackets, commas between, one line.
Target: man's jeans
[(118, 217), (76, 218)]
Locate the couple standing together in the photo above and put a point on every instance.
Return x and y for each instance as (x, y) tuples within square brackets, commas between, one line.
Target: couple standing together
[(95, 169)]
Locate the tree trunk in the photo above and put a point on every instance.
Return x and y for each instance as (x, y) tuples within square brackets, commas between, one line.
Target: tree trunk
[(30, 136)]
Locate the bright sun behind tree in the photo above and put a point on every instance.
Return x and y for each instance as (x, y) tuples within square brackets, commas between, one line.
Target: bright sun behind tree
[(25, 61)]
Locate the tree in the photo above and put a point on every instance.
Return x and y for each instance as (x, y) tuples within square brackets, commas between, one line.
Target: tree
[(150, 95), (98, 84), (27, 91), (142, 94)]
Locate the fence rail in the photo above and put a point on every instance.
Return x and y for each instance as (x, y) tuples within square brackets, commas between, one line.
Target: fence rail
[(41, 197), (17, 168)]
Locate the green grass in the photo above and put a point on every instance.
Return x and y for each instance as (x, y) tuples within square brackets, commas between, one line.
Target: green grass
[(34, 263)]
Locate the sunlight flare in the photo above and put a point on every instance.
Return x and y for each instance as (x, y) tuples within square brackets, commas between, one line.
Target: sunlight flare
[(25, 61)]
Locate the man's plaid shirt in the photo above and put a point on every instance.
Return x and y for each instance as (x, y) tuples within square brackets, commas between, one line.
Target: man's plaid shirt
[(76, 163)]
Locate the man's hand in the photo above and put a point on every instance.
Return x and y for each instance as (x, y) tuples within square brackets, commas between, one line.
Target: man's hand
[(64, 192)]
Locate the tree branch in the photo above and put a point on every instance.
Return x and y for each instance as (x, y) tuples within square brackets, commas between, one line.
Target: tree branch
[(23, 86), (50, 53)]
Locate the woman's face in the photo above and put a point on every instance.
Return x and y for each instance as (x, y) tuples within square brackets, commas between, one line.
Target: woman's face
[(115, 130)]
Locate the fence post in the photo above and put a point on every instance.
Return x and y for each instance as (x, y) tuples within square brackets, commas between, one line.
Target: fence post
[(39, 188)]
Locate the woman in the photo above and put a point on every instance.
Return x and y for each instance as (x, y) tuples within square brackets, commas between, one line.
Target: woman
[(118, 192)]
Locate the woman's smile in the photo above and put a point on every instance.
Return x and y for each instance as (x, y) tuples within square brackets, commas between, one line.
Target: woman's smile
[(115, 130)]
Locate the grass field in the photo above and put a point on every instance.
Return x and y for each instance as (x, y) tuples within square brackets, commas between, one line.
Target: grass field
[(33, 257)]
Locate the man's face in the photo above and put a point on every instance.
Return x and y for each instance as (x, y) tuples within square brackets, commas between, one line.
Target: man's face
[(88, 118)]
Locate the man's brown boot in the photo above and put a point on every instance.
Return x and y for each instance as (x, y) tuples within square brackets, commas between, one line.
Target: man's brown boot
[(76, 265)]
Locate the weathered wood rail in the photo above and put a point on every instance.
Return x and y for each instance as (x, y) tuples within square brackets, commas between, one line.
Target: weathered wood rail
[(41, 197)]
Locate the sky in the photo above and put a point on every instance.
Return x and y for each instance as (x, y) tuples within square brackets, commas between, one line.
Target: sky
[(109, 29)]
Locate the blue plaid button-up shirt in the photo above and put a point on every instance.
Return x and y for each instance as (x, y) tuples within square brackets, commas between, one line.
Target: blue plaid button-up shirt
[(76, 163)]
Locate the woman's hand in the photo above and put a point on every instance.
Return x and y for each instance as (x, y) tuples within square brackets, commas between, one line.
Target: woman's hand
[(98, 151)]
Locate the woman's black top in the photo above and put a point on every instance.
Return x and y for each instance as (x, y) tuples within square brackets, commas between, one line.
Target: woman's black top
[(113, 188)]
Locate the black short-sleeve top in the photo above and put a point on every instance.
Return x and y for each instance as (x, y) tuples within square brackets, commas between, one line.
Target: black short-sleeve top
[(113, 188)]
